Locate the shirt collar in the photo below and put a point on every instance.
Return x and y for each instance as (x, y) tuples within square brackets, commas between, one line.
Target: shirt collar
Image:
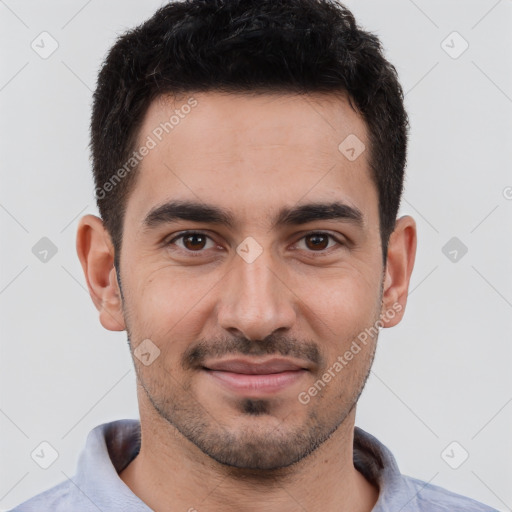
[(110, 447)]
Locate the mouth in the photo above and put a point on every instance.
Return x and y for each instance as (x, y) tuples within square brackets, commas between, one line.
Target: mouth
[(252, 377)]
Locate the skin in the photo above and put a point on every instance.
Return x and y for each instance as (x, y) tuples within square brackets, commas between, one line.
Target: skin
[(206, 446)]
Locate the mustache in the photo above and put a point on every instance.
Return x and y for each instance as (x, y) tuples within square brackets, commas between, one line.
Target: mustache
[(195, 356)]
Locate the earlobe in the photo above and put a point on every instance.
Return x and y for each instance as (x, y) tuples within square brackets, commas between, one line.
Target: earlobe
[(399, 266), (96, 254)]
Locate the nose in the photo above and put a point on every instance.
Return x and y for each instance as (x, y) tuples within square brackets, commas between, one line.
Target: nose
[(255, 299)]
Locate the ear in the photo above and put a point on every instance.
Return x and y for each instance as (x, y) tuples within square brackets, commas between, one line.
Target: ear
[(96, 253), (399, 265)]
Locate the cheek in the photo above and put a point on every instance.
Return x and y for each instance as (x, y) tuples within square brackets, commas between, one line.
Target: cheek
[(169, 308), (340, 305), (173, 306)]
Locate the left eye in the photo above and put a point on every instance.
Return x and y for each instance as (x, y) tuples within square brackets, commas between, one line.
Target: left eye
[(197, 242), (318, 242)]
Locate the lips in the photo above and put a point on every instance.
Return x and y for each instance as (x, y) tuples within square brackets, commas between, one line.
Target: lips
[(256, 378), (252, 368)]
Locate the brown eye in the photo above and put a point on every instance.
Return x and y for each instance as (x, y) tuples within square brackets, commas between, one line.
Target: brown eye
[(194, 242), (317, 241)]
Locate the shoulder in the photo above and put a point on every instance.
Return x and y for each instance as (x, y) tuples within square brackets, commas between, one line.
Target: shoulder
[(432, 498), (56, 499), (399, 492)]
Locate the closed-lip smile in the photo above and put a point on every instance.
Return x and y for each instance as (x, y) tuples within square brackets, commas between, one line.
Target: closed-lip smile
[(253, 376)]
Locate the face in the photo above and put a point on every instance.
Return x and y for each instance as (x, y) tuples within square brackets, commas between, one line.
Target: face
[(251, 263)]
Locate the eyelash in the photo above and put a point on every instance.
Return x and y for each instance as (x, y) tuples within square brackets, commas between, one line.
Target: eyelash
[(201, 252)]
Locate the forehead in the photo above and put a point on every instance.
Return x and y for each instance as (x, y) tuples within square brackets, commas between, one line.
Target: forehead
[(253, 152), (234, 123)]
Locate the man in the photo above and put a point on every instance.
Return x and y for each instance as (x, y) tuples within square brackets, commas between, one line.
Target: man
[(249, 159)]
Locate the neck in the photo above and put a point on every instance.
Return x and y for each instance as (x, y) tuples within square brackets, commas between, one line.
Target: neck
[(172, 473)]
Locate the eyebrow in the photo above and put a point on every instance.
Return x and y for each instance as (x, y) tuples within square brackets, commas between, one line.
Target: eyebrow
[(200, 212)]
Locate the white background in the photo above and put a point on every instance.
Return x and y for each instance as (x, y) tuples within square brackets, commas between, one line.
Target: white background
[(442, 375)]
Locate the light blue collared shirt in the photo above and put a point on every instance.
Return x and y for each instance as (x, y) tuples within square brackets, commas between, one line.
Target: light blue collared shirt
[(110, 447)]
